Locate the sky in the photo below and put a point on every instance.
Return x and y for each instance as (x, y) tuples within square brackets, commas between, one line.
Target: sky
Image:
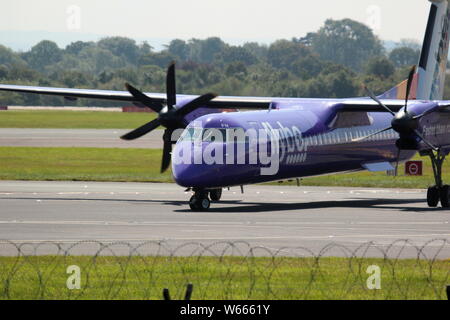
[(233, 20)]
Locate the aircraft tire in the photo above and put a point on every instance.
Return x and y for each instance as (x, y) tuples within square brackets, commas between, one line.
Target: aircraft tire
[(199, 203), (445, 196), (215, 194), (433, 195)]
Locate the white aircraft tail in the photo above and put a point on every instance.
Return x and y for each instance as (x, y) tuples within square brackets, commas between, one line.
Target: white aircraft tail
[(429, 81), (433, 59)]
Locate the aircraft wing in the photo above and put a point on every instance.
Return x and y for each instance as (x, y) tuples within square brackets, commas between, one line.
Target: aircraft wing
[(125, 96), (353, 104)]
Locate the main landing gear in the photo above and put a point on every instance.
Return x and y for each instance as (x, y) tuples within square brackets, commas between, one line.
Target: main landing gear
[(438, 192), (200, 201)]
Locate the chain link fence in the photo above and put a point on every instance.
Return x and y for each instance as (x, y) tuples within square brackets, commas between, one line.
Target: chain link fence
[(223, 270)]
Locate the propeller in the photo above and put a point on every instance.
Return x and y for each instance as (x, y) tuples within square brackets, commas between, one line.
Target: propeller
[(404, 122), (168, 116)]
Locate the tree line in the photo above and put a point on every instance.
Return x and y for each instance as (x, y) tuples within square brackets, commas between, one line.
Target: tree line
[(333, 62)]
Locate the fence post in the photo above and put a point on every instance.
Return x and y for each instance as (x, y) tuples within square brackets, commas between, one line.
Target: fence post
[(189, 289), (166, 294), (187, 296)]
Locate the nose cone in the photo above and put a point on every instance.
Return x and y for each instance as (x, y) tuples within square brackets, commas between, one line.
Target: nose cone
[(190, 173)]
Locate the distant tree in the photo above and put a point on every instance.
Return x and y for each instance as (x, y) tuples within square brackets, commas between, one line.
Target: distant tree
[(381, 67), (308, 66), (75, 47), (72, 79), (97, 59), (258, 50), (340, 84), (236, 54), (411, 43), (204, 51), (145, 48), (160, 59), (105, 76), (43, 54), (22, 73), (179, 49), (404, 56), (3, 71), (306, 40), (346, 42), (376, 84), (283, 53), (9, 57), (122, 47), (236, 69)]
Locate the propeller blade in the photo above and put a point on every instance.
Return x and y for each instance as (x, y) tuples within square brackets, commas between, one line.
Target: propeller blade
[(194, 104), (370, 135), (166, 150), (171, 86), (139, 132), (398, 159), (144, 99), (372, 95), (425, 140), (408, 86)]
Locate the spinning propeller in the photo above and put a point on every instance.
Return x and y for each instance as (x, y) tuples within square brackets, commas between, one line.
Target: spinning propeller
[(405, 123), (168, 116)]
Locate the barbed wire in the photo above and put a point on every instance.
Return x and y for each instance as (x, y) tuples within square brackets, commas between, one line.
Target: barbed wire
[(223, 270)]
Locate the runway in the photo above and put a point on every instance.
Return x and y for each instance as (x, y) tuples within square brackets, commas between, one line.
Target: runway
[(271, 216), (96, 138)]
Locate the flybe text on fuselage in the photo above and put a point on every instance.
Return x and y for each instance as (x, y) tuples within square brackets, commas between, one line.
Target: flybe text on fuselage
[(293, 148)]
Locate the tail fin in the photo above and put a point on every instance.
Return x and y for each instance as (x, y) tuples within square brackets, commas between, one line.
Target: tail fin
[(429, 81)]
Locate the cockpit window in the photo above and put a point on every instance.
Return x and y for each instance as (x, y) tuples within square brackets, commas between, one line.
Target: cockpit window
[(213, 134), (190, 134)]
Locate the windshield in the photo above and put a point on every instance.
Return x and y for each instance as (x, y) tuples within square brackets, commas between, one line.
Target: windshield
[(213, 134)]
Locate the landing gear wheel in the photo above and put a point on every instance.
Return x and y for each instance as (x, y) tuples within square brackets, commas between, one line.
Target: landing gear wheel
[(198, 203), (445, 196), (439, 191), (215, 194), (433, 195)]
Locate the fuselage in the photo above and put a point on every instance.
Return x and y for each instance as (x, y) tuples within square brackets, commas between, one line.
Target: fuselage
[(312, 138)]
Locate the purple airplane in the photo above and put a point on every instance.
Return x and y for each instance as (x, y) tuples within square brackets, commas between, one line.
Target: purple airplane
[(297, 137)]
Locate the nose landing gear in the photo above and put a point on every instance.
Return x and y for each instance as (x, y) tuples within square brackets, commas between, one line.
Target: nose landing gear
[(438, 192), (201, 200)]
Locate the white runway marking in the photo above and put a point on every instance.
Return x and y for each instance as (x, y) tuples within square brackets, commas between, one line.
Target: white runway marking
[(311, 217)]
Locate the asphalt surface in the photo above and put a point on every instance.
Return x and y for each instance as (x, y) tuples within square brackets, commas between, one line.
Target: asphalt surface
[(97, 138), (275, 217)]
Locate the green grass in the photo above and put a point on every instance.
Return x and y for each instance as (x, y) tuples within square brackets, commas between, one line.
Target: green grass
[(381, 179), (143, 165), (73, 119), (45, 277), (81, 164)]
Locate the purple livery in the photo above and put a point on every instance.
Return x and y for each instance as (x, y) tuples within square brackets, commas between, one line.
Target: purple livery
[(308, 136)]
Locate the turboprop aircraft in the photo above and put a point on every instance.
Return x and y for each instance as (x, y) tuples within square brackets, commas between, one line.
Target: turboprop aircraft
[(272, 139)]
